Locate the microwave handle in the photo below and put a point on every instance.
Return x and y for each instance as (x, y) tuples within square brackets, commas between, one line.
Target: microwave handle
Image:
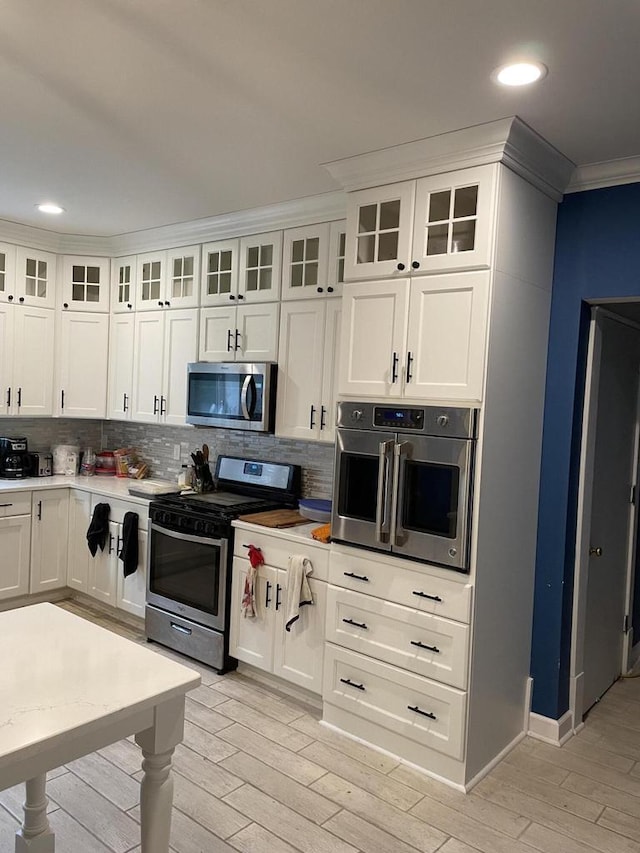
[(382, 502), (247, 410), (398, 451)]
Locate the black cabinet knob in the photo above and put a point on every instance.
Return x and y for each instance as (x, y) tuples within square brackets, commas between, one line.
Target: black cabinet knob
[(240, 296), (319, 289), (415, 265), (168, 304), (400, 267), (10, 298), (65, 305), (160, 302), (329, 290), (231, 296), (21, 299), (129, 306)]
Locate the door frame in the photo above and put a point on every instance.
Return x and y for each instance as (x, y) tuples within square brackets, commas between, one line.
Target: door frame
[(584, 506)]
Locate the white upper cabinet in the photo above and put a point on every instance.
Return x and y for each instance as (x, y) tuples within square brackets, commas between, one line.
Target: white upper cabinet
[(84, 284), (6, 359), (122, 335), (435, 224), (305, 261), (7, 271), (337, 249), (150, 280), (26, 372), (219, 285), (260, 267), (123, 285), (35, 278), (183, 277), (82, 355), (242, 333)]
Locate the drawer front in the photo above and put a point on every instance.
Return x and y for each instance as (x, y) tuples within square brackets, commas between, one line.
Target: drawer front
[(15, 503), (277, 550), (414, 707), (394, 582), (419, 642), (118, 509)]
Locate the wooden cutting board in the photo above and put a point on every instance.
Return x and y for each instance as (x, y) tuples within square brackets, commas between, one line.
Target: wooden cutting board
[(276, 518)]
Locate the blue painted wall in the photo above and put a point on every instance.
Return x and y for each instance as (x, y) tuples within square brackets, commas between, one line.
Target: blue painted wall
[(597, 256)]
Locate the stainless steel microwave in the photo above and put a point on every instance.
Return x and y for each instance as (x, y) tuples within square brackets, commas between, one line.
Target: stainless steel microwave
[(234, 395)]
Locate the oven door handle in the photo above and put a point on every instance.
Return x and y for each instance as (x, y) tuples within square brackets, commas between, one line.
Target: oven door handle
[(385, 449), (399, 449), (187, 537), (244, 395)]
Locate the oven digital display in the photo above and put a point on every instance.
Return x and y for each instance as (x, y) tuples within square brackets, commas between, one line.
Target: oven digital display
[(405, 418), (254, 469)]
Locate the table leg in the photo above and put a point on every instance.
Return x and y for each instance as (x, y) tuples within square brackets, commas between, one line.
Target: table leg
[(35, 835), (156, 787)]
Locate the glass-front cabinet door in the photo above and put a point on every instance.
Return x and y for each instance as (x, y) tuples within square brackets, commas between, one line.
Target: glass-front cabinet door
[(35, 278), (260, 267), (453, 222), (219, 282), (7, 272), (183, 277), (379, 223), (337, 250), (305, 262), (123, 285), (85, 284), (150, 278)]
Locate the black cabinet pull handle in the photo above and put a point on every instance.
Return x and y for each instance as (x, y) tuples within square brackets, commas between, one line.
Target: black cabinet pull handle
[(352, 683), (2, 505), (329, 290), (163, 405), (19, 397), (394, 368), (323, 414), (155, 404), (415, 265), (228, 340), (278, 591), (125, 405), (267, 598), (409, 360), (425, 646), (111, 543), (39, 510), (417, 710), (236, 346), (426, 595), (400, 267), (62, 399), (8, 397), (311, 420), (356, 577), (119, 542), (356, 624)]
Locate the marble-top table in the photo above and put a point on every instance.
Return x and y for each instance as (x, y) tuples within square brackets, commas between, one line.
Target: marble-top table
[(69, 687)]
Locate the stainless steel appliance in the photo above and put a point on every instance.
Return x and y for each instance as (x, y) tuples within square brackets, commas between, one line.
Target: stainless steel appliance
[(41, 463), (190, 555), (235, 395), (403, 481), (15, 463)]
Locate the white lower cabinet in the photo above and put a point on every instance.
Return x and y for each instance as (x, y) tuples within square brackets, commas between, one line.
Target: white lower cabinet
[(15, 543), (103, 566), (82, 365), (79, 554), (131, 592), (251, 639), (49, 539)]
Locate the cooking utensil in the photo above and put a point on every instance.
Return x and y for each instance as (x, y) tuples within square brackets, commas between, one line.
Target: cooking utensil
[(205, 452)]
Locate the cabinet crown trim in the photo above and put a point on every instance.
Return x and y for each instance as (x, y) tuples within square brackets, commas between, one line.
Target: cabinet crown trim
[(509, 141)]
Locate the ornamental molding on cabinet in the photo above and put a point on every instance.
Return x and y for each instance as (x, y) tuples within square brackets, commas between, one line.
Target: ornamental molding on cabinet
[(612, 173)]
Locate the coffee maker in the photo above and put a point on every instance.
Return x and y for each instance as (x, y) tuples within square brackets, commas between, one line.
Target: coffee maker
[(15, 462)]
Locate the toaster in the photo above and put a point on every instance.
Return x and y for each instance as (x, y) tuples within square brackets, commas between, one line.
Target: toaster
[(41, 463)]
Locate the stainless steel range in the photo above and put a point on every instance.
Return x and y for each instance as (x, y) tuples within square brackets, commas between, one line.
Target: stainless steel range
[(190, 555)]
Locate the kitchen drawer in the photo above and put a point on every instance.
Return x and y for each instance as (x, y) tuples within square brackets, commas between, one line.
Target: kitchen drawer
[(118, 509), (15, 503), (387, 578), (277, 550), (385, 695), (420, 642)]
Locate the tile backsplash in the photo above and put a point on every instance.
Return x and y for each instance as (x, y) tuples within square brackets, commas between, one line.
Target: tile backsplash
[(156, 445)]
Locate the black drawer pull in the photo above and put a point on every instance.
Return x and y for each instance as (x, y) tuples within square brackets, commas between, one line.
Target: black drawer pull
[(356, 577), (425, 646), (352, 683), (426, 595), (1, 505), (357, 624), (417, 710)]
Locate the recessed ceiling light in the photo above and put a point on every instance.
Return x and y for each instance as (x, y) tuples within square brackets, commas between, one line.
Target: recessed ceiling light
[(519, 73), (49, 207)]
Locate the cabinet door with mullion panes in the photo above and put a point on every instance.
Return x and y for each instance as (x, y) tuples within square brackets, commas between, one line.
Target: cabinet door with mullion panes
[(35, 278), (7, 272), (337, 247), (219, 282), (305, 262), (260, 267), (85, 284), (123, 285), (183, 277), (454, 220), (379, 225), (151, 273)]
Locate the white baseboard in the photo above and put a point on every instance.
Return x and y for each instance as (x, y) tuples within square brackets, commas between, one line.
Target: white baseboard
[(494, 762), (555, 732)]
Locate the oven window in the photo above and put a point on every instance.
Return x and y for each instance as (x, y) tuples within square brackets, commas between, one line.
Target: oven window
[(430, 498), (358, 486), (186, 572), (220, 395)]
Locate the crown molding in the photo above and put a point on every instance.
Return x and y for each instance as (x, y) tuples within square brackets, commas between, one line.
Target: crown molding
[(53, 241), (509, 140), (611, 173)]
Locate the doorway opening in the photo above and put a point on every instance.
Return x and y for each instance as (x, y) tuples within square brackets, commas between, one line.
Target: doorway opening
[(602, 643)]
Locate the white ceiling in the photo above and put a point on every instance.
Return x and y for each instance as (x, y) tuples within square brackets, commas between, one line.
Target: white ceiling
[(138, 113)]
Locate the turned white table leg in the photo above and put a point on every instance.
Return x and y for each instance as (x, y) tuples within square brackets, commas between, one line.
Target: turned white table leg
[(35, 835)]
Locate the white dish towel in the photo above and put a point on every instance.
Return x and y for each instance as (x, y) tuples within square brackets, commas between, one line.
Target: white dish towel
[(298, 589)]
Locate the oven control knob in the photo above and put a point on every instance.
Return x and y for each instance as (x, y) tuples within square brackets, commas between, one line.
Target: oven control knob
[(443, 420), (356, 415), (453, 552), (183, 522), (199, 526), (208, 529)]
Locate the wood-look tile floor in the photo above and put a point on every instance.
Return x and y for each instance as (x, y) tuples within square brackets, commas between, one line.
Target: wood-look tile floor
[(257, 773)]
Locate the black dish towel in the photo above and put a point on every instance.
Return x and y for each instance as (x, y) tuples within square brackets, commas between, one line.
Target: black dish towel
[(99, 528), (129, 551)]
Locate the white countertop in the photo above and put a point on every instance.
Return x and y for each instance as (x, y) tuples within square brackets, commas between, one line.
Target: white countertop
[(113, 487), (300, 534)]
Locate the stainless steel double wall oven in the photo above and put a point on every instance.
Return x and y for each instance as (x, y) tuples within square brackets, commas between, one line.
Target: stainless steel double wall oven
[(403, 480)]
